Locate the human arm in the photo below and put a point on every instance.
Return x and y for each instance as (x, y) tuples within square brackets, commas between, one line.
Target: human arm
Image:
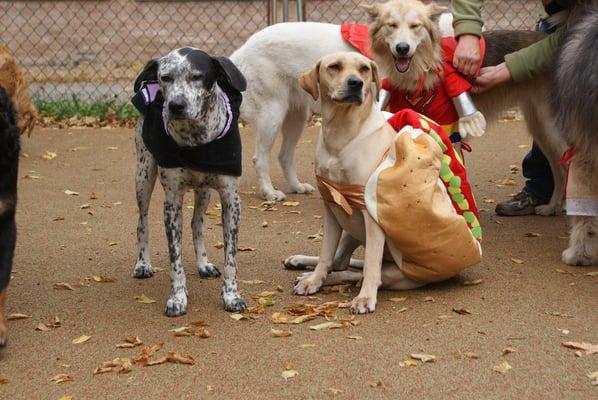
[(467, 24)]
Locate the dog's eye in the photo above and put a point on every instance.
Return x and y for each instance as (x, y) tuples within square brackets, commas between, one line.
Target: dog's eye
[(393, 25), (196, 77), (335, 67), (166, 78), (415, 26), (364, 68)]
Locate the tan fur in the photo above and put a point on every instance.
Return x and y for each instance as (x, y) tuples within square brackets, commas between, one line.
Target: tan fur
[(13, 81), (350, 131), (413, 22)]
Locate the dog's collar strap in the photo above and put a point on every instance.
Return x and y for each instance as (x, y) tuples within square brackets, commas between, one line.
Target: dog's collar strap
[(222, 155)]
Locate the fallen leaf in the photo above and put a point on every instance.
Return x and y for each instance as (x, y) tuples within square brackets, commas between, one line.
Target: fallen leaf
[(111, 148), (144, 299), (110, 244), (488, 201), (429, 299), (558, 314), (104, 279), (251, 282), (593, 273), (472, 283), (66, 397), (31, 176), (508, 350), (279, 318), (397, 299), (177, 358), (17, 316), (334, 391), (565, 272), (265, 224), (280, 333), (193, 330), (471, 355), (594, 378), (376, 384), (289, 373), (130, 342), (532, 234), (517, 260), (523, 146), (81, 339), (564, 331), (71, 193), (42, 327), (219, 245), (118, 365), (423, 357), (408, 363), (585, 348), (85, 206), (49, 155), (290, 203), (352, 337), (3, 381), (60, 378), (462, 311), (503, 367), (506, 182), (402, 310), (326, 325), (246, 248), (63, 286), (239, 317), (308, 346)]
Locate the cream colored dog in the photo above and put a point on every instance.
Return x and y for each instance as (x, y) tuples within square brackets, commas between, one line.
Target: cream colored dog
[(353, 140)]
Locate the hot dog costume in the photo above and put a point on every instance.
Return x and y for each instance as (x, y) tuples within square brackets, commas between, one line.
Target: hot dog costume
[(436, 103)]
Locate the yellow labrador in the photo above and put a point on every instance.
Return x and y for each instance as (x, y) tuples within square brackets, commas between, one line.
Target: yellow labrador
[(353, 140)]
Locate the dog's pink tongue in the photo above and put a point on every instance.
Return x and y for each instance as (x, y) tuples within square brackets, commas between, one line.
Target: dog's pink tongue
[(402, 64)]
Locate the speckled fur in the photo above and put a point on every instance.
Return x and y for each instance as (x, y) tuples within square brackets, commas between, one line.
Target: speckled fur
[(204, 119)]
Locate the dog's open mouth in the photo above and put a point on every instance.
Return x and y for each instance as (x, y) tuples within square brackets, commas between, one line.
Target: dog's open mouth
[(402, 64)]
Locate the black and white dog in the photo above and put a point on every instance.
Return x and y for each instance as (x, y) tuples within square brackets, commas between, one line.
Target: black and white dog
[(9, 163), (188, 134)]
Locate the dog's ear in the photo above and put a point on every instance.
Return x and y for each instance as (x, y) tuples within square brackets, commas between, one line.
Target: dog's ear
[(310, 81), (149, 73), (372, 10), (435, 11), (230, 74), (376, 79)]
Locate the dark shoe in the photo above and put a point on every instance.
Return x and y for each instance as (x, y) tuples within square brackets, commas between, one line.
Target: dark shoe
[(522, 203)]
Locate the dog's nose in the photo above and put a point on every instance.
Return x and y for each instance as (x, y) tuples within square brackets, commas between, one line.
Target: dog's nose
[(354, 83), (402, 49), (175, 107)]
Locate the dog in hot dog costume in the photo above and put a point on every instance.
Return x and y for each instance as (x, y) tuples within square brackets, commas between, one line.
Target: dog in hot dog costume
[(448, 103)]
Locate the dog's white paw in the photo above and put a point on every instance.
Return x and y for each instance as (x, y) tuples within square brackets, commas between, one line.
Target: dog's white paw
[(143, 270), (273, 195), (363, 305), (549, 209), (302, 188), (208, 270), (176, 305), (307, 284), (575, 257), (234, 303), (294, 263)]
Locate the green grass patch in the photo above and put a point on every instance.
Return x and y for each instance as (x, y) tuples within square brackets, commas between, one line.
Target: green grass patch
[(102, 109)]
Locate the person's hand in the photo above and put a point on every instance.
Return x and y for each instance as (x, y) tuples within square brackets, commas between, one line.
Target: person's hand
[(467, 55), (490, 77)]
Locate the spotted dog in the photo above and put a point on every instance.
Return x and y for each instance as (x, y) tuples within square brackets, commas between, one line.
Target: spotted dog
[(188, 135), (9, 163)]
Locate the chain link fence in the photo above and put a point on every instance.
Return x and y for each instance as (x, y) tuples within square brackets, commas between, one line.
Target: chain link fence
[(94, 49)]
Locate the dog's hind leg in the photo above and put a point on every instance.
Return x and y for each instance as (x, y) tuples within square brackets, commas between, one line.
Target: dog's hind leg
[(292, 128), (205, 268), (342, 259), (145, 179), (173, 222), (231, 218), (267, 125), (583, 243)]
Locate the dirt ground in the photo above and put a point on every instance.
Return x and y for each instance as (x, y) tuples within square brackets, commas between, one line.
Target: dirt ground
[(532, 306)]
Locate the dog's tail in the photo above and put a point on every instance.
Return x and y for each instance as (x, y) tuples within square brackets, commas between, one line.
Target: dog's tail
[(575, 94)]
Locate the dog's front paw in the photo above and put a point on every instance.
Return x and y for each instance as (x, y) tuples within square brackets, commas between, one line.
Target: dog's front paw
[(363, 305), (143, 270), (234, 303), (307, 284), (302, 188), (575, 257), (176, 306), (208, 271), (273, 195), (294, 263)]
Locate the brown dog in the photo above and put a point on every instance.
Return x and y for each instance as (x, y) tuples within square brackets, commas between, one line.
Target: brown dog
[(13, 81)]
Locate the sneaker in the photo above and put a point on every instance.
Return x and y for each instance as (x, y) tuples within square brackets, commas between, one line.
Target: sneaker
[(522, 203)]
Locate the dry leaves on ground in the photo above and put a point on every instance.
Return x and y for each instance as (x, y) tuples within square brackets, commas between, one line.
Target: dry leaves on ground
[(397, 299), (425, 358), (103, 279), (196, 328), (503, 367), (242, 317), (81, 339), (48, 326), (462, 311), (583, 348), (71, 193), (49, 155), (280, 333), (429, 299), (508, 350), (63, 286), (517, 260), (532, 234), (290, 203), (118, 365), (144, 299), (130, 342), (251, 281), (289, 372), (61, 378), (408, 363), (594, 378), (17, 316), (473, 282)]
